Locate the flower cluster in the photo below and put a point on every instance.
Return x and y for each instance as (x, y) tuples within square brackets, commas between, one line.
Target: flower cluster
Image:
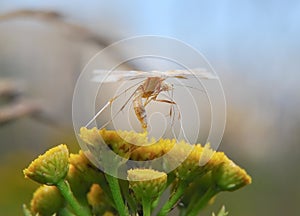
[(71, 184)]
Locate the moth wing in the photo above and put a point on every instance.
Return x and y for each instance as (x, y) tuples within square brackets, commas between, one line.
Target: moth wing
[(106, 76), (192, 73)]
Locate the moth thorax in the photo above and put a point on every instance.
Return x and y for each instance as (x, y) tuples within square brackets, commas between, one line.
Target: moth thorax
[(166, 86)]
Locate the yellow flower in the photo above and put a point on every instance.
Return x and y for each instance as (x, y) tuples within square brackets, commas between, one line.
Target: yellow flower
[(95, 195), (47, 200), (85, 167), (152, 151), (229, 177), (199, 173), (121, 142), (108, 213), (82, 174), (51, 167), (146, 182), (189, 167), (98, 200)]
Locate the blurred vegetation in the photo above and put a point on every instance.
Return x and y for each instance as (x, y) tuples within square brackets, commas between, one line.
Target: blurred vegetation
[(17, 188), (14, 186)]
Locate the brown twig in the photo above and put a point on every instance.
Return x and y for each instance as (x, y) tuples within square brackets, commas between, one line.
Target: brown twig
[(76, 30), (15, 106)]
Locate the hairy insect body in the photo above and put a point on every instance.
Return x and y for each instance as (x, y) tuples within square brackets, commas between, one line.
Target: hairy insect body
[(149, 90), (140, 111)]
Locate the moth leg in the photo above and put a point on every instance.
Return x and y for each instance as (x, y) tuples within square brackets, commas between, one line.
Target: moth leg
[(124, 105), (171, 108), (110, 102)]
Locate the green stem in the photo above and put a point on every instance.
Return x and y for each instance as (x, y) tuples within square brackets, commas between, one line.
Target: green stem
[(65, 190), (117, 196), (82, 200), (193, 200), (127, 196), (173, 199), (155, 202), (146, 202), (193, 210)]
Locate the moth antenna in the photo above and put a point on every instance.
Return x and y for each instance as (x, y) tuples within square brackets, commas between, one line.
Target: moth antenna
[(98, 113), (191, 87), (115, 115)]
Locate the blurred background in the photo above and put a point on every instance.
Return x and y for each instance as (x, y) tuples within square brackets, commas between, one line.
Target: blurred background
[(254, 46)]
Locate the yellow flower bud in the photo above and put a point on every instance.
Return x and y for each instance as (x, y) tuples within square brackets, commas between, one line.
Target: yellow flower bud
[(47, 200), (190, 167), (146, 182), (95, 196), (229, 177), (153, 151), (99, 201), (51, 167), (121, 142)]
